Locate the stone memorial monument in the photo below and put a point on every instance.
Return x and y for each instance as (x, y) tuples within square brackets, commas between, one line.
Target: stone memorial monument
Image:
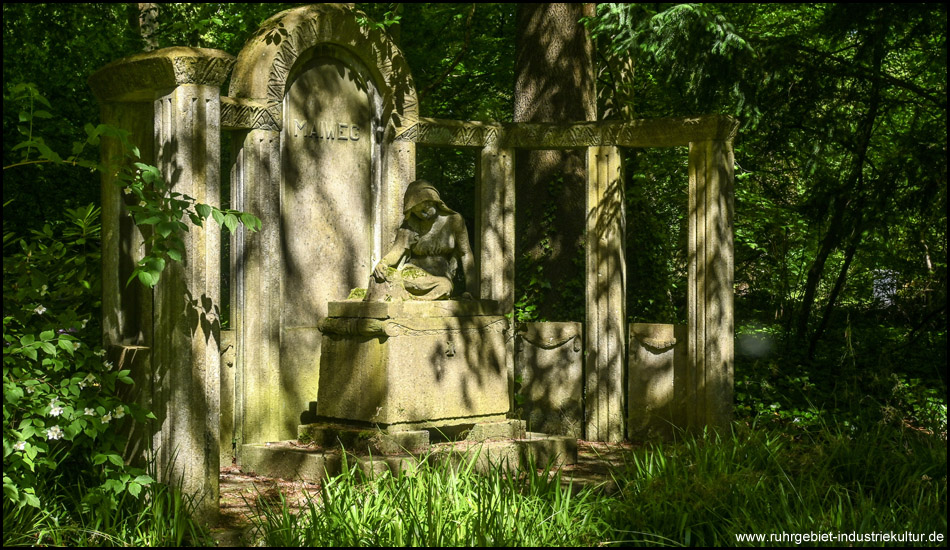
[(409, 355), (324, 124)]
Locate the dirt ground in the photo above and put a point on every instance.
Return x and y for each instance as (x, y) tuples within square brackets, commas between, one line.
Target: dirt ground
[(240, 490)]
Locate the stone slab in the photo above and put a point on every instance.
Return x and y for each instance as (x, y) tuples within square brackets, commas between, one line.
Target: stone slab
[(508, 429), (371, 441), (436, 308)]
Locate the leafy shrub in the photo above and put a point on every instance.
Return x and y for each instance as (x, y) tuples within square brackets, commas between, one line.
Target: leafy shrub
[(61, 407)]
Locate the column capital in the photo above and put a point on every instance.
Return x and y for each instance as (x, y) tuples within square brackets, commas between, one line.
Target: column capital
[(142, 77)]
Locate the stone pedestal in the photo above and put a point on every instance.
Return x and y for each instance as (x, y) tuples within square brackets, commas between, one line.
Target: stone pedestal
[(549, 364), (404, 366), (657, 397)]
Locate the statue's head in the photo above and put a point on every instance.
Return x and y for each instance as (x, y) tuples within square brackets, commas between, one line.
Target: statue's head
[(422, 199)]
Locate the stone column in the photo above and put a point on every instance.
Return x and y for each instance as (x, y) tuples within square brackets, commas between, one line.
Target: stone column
[(179, 89), (604, 332), (495, 238), (710, 284), (255, 187)]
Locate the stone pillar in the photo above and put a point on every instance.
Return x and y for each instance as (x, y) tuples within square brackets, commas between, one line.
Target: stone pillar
[(710, 285), (605, 296), (495, 237), (255, 304), (179, 89)]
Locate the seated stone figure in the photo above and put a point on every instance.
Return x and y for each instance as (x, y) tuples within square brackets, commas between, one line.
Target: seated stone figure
[(429, 245)]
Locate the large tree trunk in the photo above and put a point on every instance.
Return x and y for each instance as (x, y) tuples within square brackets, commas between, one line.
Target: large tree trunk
[(145, 21), (554, 82)]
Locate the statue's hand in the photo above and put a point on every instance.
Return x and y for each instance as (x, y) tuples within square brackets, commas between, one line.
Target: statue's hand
[(379, 272)]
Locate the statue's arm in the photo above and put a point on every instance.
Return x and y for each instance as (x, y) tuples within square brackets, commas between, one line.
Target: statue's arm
[(399, 249), (464, 253)]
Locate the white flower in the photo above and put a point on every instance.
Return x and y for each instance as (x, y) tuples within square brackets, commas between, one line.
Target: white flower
[(85, 322), (101, 353), (127, 190), (107, 364), (30, 389), (89, 412), (43, 290), (56, 411), (107, 418), (87, 381), (40, 310), (19, 446), (119, 411), (54, 433), (76, 346)]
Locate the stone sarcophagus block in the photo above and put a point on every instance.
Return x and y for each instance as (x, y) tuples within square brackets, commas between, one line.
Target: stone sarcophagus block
[(657, 380), (549, 377), (413, 365)]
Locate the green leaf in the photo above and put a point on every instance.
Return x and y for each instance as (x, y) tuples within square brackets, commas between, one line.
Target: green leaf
[(231, 222), (174, 254), (203, 210), (166, 228), (145, 277)]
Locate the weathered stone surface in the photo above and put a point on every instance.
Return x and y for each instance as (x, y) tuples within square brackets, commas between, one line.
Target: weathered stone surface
[(657, 397), (139, 77), (228, 358), (248, 114), (430, 372), (264, 65), (710, 318), (323, 95), (549, 451), (364, 441), (180, 89), (550, 366), (509, 429), (656, 132), (495, 235), (606, 297), (436, 308)]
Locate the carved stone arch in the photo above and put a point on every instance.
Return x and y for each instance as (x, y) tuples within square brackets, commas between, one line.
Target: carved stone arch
[(266, 60)]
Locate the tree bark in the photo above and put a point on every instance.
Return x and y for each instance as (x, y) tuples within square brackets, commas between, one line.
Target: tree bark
[(554, 82), (146, 22)]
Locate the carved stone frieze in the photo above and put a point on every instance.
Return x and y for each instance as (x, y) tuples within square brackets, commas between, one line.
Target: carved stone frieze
[(249, 114), (660, 132)]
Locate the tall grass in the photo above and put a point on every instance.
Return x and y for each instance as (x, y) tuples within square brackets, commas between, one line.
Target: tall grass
[(440, 503), (702, 490), (837, 479), (160, 516)]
